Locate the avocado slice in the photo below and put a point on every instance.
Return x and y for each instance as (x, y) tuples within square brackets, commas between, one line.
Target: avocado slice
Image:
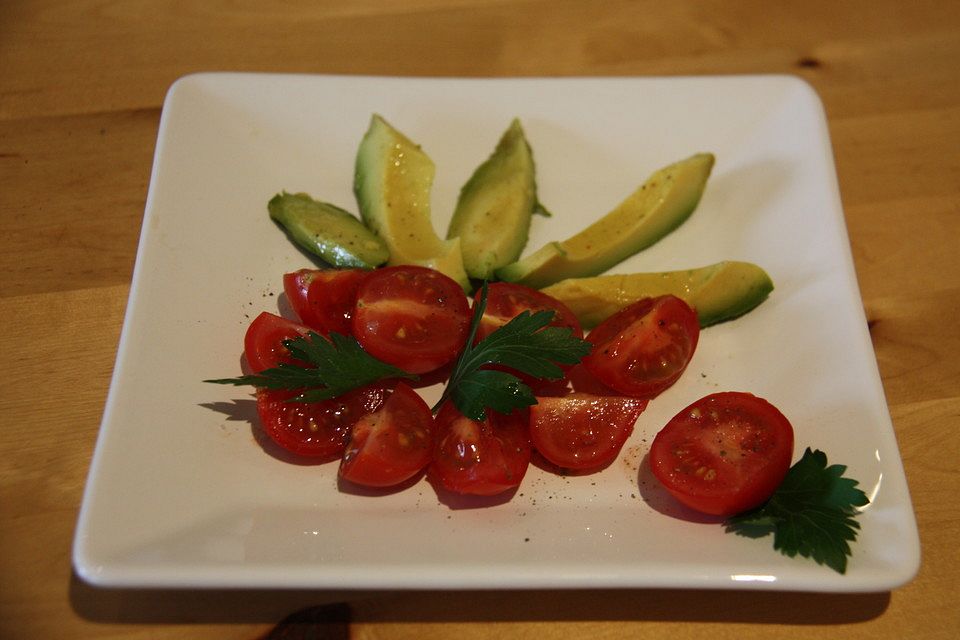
[(327, 231), (492, 217), (392, 182), (655, 209), (717, 292)]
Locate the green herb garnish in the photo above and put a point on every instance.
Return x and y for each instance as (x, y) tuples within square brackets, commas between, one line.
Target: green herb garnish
[(335, 366), (526, 344), (811, 513)]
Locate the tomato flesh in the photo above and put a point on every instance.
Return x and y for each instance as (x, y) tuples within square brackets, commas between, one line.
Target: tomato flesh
[(391, 445), (318, 430), (263, 342), (724, 454), (411, 317), (479, 457), (644, 348), (324, 299), (581, 431)]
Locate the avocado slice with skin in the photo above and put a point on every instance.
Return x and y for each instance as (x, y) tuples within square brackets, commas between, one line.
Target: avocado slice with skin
[(717, 292), (493, 212), (392, 181), (656, 208), (334, 235)]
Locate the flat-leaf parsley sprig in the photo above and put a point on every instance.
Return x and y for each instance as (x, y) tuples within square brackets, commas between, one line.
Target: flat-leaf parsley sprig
[(335, 366), (811, 513), (526, 344)]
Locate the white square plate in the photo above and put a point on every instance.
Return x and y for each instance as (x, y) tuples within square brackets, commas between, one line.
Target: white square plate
[(180, 493)]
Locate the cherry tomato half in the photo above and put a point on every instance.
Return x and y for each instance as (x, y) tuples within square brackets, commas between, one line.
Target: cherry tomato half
[(483, 457), (642, 349), (411, 317), (317, 430), (392, 444), (324, 299), (581, 431), (724, 454), (263, 342), (583, 381), (506, 300)]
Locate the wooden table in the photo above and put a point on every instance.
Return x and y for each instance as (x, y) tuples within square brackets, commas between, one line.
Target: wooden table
[(81, 86)]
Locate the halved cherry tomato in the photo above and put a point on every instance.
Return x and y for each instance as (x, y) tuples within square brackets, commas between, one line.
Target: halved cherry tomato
[(483, 457), (263, 342), (642, 349), (581, 431), (411, 317), (315, 429), (545, 387), (724, 454), (506, 300), (392, 444), (323, 299), (583, 381), (539, 386)]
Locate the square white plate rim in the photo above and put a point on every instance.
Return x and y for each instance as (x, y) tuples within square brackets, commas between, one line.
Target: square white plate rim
[(181, 495)]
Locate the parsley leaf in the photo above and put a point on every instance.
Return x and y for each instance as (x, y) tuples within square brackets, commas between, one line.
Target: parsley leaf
[(527, 344), (811, 513), (337, 366)]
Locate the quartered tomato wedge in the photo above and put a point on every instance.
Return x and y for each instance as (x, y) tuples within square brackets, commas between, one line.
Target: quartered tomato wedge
[(724, 454), (263, 342), (323, 299), (484, 457), (581, 431), (642, 349), (392, 444), (317, 430), (411, 317)]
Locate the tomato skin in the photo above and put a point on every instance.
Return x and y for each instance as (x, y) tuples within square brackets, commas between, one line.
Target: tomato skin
[(263, 342), (506, 300), (411, 317), (482, 458), (644, 348), (724, 454), (324, 299), (581, 431), (391, 445), (318, 430)]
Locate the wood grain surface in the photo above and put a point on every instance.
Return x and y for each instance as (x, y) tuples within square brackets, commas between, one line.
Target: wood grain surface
[(81, 88)]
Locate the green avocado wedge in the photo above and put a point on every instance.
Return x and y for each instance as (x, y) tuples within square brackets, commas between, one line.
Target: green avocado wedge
[(717, 292), (493, 212), (656, 208), (392, 181), (335, 236)]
